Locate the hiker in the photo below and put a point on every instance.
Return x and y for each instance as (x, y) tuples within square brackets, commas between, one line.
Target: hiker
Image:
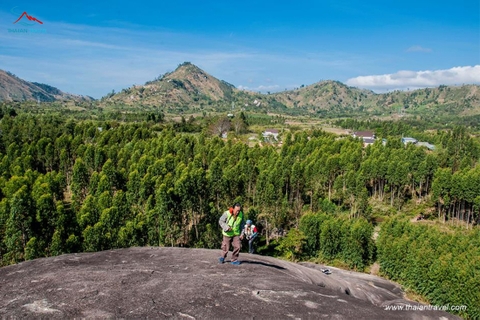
[(250, 232), (232, 225)]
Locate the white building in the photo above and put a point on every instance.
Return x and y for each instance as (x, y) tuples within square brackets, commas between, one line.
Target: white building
[(270, 133)]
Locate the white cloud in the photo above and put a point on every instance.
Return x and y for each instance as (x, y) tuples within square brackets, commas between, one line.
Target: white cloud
[(267, 88), (263, 88), (418, 49), (418, 79)]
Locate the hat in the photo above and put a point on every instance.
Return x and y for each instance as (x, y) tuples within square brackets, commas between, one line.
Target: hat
[(249, 221)]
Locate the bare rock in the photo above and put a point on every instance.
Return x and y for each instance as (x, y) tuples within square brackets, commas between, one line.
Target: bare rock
[(190, 284)]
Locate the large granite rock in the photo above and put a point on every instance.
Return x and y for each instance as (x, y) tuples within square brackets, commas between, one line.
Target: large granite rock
[(190, 284)]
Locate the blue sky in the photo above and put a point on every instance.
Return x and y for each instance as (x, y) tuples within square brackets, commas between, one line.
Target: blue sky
[(92, 48)]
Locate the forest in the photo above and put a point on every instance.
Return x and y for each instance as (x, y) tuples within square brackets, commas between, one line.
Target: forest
[(89, 185)]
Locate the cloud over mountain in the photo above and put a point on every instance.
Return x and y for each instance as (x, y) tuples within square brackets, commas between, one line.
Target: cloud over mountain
[(418, 79)]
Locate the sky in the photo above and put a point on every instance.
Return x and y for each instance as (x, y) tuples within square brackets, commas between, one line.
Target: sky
[(93, 47)]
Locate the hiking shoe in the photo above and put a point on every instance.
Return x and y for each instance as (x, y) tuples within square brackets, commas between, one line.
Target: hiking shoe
[(236, 262), (221, 260)]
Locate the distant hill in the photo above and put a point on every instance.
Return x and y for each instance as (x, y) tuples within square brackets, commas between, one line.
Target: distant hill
[(459, 100), (327, 95), (12, 88), (336, 96), (188, 84), (191, 88)]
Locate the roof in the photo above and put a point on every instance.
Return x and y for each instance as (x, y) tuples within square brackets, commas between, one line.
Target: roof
[(364, 134), (426, 144), (271, 131), (409, 140)]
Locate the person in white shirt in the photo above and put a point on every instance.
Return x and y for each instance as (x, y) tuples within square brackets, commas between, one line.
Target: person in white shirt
[(250, 232)]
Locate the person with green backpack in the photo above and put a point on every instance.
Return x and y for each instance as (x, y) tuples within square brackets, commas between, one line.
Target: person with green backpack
[(232, 224)]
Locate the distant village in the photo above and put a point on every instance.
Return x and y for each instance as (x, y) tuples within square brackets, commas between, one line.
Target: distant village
[(369, 138)]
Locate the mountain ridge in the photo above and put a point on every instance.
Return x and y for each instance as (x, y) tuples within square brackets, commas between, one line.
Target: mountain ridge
[(13, 88), (187, 84), (190, 88)]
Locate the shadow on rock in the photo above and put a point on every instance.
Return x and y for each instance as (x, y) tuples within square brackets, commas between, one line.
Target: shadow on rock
[(262, 264)]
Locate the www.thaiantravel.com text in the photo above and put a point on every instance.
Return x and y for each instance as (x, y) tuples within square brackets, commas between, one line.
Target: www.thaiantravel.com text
[(409, 307)]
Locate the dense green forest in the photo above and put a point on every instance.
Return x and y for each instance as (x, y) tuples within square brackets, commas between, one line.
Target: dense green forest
[(441, 265), (72, 186)]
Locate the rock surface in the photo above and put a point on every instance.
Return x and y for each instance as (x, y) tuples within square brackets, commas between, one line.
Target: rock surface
[(190, 284)]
